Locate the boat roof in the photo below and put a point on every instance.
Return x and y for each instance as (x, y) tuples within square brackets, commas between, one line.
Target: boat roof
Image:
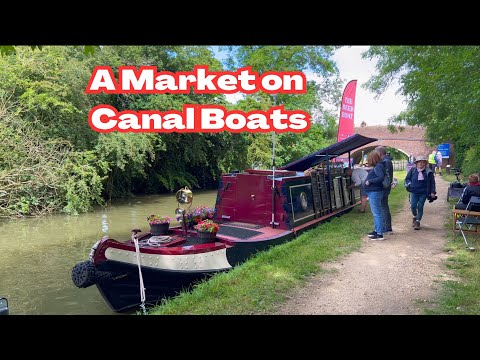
[(342, 147)]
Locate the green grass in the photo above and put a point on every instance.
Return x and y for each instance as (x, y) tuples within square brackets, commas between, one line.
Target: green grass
[(460, 296), (261, 284)]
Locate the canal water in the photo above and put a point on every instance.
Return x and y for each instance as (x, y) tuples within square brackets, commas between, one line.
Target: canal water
[(37, 254)]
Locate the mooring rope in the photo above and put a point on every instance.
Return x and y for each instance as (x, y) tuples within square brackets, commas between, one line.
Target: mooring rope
[(156, 241), (140, 276)]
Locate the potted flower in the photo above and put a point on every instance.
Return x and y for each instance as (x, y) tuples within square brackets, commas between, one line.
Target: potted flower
[(197, 214), (159, 224), (207, 230)]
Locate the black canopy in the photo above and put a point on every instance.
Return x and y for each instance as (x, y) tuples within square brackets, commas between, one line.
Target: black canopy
[(351, 143)]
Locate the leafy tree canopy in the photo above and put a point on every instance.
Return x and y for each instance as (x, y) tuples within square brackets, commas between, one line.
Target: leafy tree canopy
[(442, 88)]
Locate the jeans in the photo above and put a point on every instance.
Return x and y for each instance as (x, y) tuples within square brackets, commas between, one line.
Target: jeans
[(375, 198), (417, 201), (387, 217)]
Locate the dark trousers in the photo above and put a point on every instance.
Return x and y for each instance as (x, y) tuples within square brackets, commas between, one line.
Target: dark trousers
[(386, 216)]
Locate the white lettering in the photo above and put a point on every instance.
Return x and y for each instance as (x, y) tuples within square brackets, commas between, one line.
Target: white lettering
[(227, 82), (297, 121), (276, 116), (147, 121), (97, 116), (212, 119), (185, 80), (245, 80), (271, 82), (205, 81), (173, 121), (144, 82), (235, 121), (102, 79), (190, 118), (296, 79), (128, 121), (165, 82), (257, 121)]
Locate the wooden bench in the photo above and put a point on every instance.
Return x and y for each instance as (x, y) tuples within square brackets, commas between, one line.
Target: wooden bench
[(457, 213)]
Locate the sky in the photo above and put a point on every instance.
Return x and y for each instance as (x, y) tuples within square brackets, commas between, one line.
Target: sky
[(352, 67), (367, 108)]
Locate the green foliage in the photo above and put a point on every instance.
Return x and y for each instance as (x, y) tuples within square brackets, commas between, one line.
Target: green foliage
[(443, 94), (471, 164), (282, 58), (7, 50), (28, 183), (40, 175), (82, 185), (45, 87), (396, 154), (127, 155), (314, 61), (11, 50), (49, 86), (293, 146)]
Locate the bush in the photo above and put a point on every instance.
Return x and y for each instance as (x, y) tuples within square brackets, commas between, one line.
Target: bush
[(471, 163)]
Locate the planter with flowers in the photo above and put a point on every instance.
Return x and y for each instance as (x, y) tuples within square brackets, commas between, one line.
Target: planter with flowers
[(207, 230), (159, 225), (196, 215)]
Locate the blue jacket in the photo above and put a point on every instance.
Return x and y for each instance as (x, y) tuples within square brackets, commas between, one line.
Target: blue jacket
[(420, 187), (375, 178)]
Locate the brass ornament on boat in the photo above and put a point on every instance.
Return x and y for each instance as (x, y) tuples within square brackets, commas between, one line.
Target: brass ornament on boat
[(184, 196)]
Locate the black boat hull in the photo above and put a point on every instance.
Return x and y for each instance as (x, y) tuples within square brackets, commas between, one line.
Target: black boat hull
[(122, 290)]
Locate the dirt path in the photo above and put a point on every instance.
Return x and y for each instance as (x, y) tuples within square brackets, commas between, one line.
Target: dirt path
[(399, 275)]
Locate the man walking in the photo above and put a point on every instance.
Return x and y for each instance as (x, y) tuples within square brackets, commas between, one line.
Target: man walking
[(386, 161), (432, 161)]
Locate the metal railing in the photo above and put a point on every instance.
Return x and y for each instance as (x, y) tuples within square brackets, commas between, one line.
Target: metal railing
[(399, 165)]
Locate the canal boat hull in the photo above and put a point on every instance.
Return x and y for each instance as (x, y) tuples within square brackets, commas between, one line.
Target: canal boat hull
[(256, 209)]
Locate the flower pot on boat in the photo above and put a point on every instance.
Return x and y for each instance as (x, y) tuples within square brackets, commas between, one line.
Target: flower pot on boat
[(206, 236), (159, 225), (159, 229), (207, 230)]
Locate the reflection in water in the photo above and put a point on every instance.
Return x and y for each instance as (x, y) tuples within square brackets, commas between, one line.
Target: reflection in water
[(104, 223), (37, 254)]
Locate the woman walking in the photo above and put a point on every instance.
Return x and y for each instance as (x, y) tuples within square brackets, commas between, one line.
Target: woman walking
[(374, 190), (420, 182)]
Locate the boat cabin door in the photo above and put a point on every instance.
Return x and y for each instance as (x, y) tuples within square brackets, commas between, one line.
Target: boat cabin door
[(253, 194)]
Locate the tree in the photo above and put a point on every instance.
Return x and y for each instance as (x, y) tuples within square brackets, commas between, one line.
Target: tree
[(441, 86), (314, 60)]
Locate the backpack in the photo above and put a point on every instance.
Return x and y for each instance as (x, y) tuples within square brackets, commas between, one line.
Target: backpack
[(387, 182)]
